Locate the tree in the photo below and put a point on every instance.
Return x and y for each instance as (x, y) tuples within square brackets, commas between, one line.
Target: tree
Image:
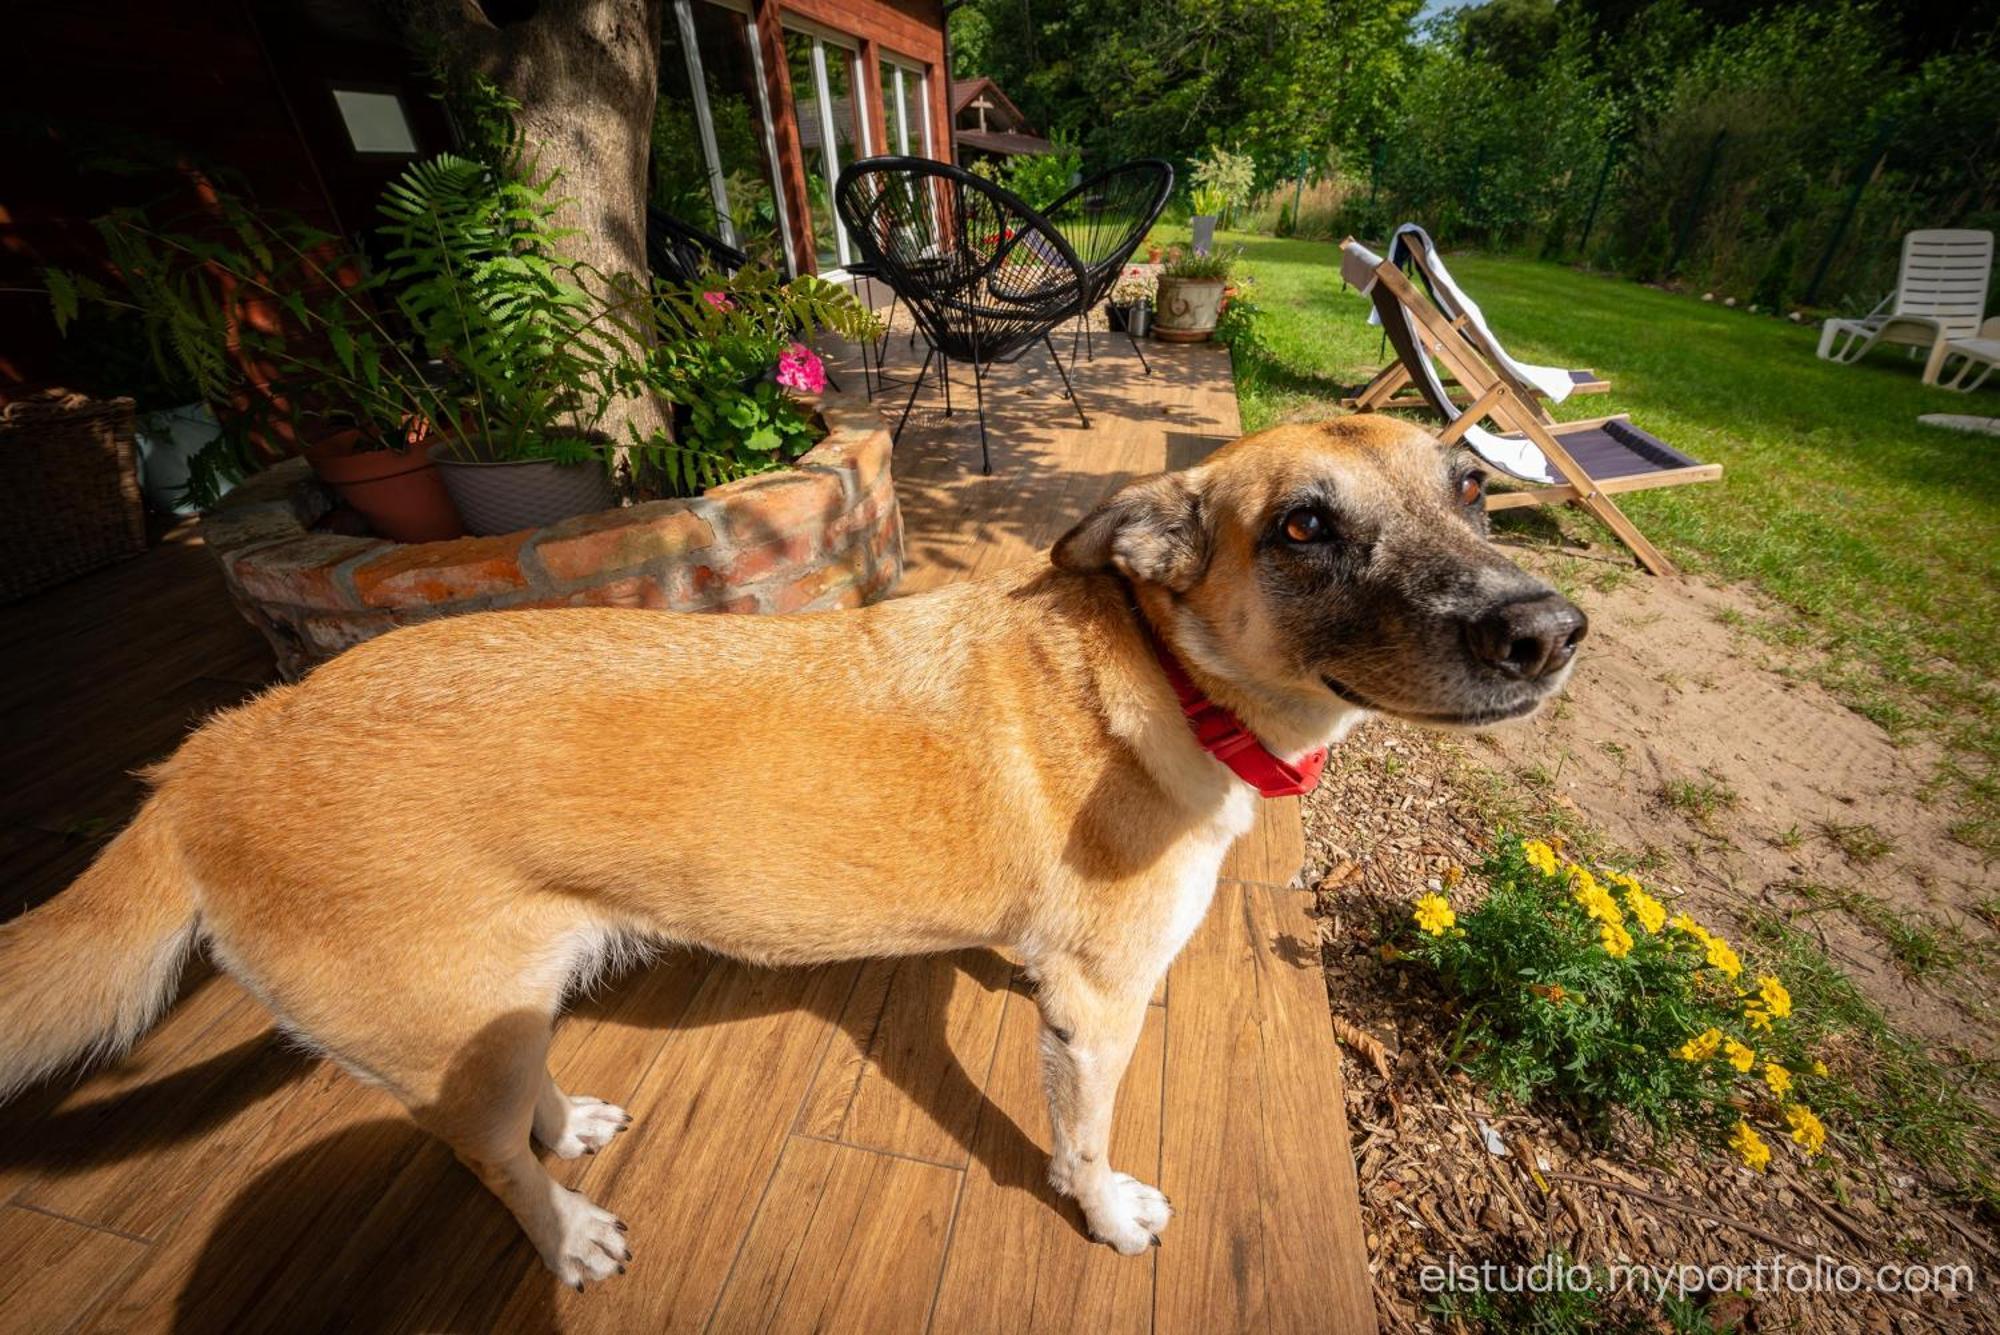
[(586, 74)]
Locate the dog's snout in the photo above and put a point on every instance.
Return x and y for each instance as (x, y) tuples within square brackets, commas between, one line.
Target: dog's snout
[(1528, 639)]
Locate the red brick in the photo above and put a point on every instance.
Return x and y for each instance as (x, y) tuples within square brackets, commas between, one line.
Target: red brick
[(299, 573), (752, 564), (816, 584), (428, 573), (759, 509), (620, 539), (328, 635)]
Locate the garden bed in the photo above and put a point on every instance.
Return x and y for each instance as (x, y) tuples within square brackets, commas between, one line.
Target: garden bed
[(824, 533), (1397, 811)]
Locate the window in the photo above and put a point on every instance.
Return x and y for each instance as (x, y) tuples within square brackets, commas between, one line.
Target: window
[(906, 129), (375, 122), (826, 101), (712, 147)]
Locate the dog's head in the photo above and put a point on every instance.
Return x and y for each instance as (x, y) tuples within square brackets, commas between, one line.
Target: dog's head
[(1344, 566)]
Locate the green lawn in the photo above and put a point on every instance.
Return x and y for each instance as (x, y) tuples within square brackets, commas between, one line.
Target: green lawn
[(1879, 534)]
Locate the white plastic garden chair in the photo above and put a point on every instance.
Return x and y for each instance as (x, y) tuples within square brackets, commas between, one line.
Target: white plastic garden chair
[(1980, 354), (1940, 296)]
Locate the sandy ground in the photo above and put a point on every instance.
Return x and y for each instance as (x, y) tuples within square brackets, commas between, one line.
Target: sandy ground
[(1668, 691)]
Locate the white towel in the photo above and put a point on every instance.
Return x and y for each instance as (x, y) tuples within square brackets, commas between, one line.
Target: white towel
[(1553, 382)]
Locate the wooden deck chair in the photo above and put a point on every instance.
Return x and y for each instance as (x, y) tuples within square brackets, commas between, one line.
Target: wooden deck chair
[(1940, 296), (1585, 462), (1410, 249)]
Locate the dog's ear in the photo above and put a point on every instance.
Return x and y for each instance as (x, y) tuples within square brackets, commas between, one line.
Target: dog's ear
[(1153, 530)]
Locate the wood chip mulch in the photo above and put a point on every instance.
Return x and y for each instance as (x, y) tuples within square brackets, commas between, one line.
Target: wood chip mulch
[(1449, 1177)]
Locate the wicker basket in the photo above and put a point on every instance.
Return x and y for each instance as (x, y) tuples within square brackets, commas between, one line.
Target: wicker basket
[(70, 479)]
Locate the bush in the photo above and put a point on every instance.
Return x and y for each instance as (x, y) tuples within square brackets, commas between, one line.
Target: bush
[(1575, 985)]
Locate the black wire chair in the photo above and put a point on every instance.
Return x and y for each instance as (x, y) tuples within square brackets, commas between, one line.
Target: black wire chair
[(985, 276), (1104, 219), (680, 252)]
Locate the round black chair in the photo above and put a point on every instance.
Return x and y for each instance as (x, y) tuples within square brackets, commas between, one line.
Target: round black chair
[(679, 252), (985, 276), (1104, 219)]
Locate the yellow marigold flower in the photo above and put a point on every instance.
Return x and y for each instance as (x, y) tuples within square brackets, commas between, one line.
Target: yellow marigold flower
[(1776, 999), (1722, 957), (1807, 1130), (1750, 1146), (1759, 1020), (1702, 1046), (1617, 942), (1540, 856), (1434, 914), (1682, 923), (1778, 1078), (1650, 912), (1819, 1067), (1453, 875), (1740, 1057), (1621, 879)]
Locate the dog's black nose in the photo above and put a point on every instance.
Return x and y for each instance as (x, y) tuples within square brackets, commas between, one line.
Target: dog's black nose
[(1528, 639)]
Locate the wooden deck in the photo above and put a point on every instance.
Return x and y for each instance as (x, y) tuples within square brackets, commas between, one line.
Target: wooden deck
[(857, 1147)]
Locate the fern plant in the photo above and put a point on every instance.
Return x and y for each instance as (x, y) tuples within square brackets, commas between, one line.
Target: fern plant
[(538, 347)]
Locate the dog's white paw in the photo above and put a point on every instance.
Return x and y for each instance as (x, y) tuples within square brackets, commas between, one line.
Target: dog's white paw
[(587, 1126), (588, 1243), (1127, 1215)]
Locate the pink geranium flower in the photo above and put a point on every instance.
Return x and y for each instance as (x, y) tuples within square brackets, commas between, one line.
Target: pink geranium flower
[(800, 368), (719, 300)]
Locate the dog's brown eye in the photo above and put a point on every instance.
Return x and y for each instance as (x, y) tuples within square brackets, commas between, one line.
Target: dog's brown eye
[(1471, 489), (1307, 525)]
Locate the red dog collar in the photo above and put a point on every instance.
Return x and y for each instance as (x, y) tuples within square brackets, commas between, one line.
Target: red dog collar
[(1220, 733)]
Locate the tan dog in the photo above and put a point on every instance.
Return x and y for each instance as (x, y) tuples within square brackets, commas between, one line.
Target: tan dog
[(555, 784)]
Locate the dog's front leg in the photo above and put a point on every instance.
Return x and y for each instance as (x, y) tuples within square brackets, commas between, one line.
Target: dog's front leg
[(1088, 1032)]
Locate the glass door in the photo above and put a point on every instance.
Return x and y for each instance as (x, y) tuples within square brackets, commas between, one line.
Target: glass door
[(826, 101), (904, 123), (713, 152)]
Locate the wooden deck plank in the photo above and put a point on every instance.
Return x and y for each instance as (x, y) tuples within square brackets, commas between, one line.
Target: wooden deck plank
[(1274, 850), (904, 1071), (1255, 1154), (65, 1133), (1019, 1258), (711, 1118), (846, 1240), (161, 1139), (52, 1270)]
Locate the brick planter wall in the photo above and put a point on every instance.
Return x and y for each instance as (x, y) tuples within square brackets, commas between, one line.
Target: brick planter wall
[(823, 534)]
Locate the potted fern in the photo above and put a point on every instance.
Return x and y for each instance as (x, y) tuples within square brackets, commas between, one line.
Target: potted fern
[(534, 348)]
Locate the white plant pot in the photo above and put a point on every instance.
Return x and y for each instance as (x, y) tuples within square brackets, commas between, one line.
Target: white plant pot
[(167, 439)]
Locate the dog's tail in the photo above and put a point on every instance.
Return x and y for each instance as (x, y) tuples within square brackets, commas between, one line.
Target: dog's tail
[(82, 976)]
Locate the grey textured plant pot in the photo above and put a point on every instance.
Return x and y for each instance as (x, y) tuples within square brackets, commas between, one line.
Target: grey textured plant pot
[(1203, 226), (506, 497)]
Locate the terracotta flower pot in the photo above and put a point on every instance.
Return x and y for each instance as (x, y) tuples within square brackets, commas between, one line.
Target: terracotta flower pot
[(398, 492), (1185, 309), (1153, 254), (508, 495)]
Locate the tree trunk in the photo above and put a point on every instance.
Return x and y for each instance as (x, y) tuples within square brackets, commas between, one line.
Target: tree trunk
[(586, 73)]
